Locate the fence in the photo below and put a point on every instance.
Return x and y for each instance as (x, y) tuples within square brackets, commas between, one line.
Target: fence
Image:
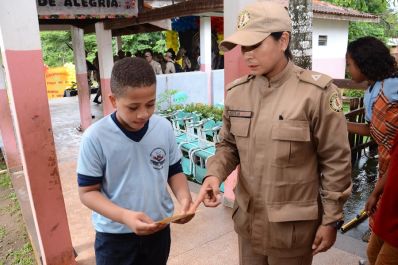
[(356, 114)]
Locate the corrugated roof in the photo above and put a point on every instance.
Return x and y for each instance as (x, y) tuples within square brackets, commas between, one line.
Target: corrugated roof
[(327, 10)]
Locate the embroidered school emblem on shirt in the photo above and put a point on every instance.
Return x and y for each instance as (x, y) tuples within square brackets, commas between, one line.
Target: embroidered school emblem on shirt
[(157, 158), (243, 19), (335, 102)]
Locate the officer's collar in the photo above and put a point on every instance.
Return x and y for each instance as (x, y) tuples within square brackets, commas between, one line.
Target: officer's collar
[(280, 78)]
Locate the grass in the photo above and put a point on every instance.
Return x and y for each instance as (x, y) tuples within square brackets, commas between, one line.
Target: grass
[(23, 256), (3, 232), (5, 181)]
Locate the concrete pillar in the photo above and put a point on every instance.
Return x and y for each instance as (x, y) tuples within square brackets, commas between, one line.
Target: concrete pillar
[(205, 54), (119, 43), (79, 55), (105, 58), (234, 67), (11, 153), (20, 45)]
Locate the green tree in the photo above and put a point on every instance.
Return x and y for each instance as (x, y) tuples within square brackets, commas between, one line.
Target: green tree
[(140, 42), (388, 26), (57, 51), (55, 46)]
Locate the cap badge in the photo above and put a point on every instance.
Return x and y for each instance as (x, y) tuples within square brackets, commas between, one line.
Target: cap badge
[(243, 19), (335, 102)]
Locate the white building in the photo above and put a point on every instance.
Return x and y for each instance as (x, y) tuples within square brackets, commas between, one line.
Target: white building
[(330, 36)]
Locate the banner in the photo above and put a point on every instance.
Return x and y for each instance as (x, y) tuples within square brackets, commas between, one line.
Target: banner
[(58, 79), (77, 9)]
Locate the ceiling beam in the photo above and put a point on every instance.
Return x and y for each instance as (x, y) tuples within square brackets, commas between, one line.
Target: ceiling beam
[(186, 8)]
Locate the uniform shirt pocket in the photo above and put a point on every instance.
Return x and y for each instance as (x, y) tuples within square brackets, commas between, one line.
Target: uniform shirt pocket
[(291, 141), (240, 126)]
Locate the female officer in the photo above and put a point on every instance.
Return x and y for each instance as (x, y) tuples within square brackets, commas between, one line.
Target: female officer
[(285, 127)]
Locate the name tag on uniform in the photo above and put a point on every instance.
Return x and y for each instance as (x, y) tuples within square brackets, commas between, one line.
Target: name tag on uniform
[(240, 113)]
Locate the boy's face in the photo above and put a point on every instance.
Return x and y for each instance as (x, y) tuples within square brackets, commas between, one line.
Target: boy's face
[(135, 107)]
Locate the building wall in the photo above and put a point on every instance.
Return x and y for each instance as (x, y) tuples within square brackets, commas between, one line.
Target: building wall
[(330, 59), (194, 84)]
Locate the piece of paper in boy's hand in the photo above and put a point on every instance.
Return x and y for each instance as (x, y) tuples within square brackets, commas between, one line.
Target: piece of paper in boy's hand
[(174, 218)]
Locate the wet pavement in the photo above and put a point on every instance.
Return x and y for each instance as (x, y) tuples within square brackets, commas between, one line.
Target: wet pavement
[(364, 177)]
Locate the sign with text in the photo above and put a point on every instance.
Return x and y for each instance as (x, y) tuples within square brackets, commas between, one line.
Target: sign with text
[(58, 79), (78, 9)]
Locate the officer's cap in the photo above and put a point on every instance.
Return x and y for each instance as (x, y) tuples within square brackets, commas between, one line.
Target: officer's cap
[(256, 22)]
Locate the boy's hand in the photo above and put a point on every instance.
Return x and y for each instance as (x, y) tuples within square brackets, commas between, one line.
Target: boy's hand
[(140, 223), (187, 208), (209, 194)]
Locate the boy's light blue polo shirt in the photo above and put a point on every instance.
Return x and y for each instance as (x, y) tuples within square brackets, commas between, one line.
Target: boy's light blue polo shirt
[(134, 174)]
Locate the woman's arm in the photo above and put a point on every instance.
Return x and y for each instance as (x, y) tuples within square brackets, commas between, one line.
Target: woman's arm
[(358, 128), (371, 203)]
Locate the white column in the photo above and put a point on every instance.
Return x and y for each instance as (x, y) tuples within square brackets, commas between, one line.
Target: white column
[(205, 43), (22, 55), (205, 54), (105, 57), (79, 56)]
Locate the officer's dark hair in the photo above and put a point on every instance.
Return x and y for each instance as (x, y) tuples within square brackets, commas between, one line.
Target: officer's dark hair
[(148, 50), (373, 58), (131, 73), (277, 36)]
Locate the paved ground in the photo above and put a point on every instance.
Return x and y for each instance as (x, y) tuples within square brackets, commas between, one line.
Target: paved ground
[(208, 239)]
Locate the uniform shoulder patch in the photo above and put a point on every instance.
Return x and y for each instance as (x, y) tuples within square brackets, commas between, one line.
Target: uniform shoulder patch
[(239, 81), (315, 78), (335, 102)]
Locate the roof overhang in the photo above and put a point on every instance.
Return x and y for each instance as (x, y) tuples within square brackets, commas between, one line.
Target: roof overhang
[(186, 8), (374, 19)]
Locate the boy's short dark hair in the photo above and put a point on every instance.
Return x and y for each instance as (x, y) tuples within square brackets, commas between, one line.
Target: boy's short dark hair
[(131, 72)]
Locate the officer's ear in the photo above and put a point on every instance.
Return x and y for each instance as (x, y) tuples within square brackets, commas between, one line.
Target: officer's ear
[(284, 40)]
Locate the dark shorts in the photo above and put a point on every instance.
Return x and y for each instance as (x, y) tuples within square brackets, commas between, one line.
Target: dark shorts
[(130, 249)]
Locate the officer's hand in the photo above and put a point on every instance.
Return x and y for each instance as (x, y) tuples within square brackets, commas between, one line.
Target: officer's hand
[(209, 193), (324, 239)]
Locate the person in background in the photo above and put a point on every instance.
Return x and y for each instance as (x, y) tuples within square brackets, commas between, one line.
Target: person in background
[(369, 60), (285, 126), (124, 168), (183, 60), (97, 78), (170, 68), (383, 244), (157, 68), (120, 54)]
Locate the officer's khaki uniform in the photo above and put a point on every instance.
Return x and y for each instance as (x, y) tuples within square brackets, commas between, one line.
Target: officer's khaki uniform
[(157, 68), (290, 137)]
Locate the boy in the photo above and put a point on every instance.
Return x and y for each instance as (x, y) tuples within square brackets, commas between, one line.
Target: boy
[(126, 161)]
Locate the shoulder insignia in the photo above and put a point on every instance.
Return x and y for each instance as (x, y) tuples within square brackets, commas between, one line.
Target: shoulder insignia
[(318, 79), (335, 102), (239, 81)]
